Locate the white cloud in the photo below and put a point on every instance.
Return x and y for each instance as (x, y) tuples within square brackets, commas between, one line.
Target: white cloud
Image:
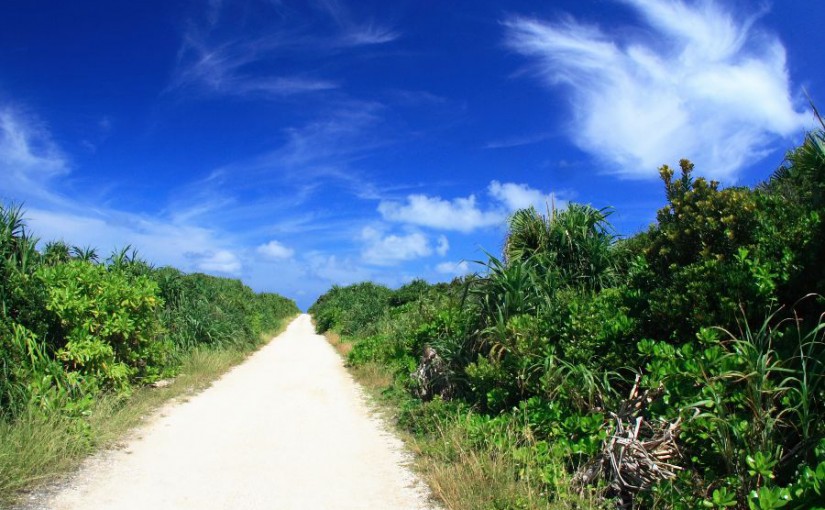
[(389, 250), (521, 196), (443, 246), (31, 164), (465, 214), (453, 268), (461, 214), (221, 261), (223, 55), (700, 83), (275, 251), (315, 158)]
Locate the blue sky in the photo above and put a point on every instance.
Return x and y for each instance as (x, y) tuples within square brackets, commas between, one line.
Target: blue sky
[(299, 144)]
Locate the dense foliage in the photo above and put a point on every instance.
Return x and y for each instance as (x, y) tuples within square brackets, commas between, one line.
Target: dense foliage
[(705, 330), (72, 327)]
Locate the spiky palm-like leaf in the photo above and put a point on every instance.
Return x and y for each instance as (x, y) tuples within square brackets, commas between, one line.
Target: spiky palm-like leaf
[(574, 243)]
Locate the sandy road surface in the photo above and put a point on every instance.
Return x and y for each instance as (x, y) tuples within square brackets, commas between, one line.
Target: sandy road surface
[(287, 429)]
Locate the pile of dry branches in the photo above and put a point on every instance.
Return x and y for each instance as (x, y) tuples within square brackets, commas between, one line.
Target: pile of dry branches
[(638, 453)]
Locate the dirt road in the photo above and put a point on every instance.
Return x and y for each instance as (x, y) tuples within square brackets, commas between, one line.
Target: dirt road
[(288, 429)]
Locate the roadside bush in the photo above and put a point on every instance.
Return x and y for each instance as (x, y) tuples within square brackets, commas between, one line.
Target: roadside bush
[(72, 327), (109, 322)]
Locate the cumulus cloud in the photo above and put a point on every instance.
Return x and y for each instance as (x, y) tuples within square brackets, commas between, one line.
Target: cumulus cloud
[(466, 214), (220, 261), (461, 214), (453, 268), (520, 196), (389, 250), (274, 250), (699, 81)]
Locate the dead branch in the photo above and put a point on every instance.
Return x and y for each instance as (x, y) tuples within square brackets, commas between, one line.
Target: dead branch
[(637, 453)]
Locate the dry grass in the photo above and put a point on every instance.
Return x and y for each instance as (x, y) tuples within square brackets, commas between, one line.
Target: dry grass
[(475, 480), (343, 347), (373, 376), (464, 477)]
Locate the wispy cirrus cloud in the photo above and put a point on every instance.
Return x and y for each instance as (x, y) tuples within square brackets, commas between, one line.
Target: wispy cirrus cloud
[(232, 68), (369, 33), (29, 159), (236, 56), (356, 33), (518, 141), (160, 241), (312, 159), (698, 81)]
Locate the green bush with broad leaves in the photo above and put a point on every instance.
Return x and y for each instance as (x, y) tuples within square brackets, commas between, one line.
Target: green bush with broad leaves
[(110, 324)]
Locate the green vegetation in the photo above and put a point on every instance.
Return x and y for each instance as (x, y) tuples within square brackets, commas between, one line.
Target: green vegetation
[(680, 368), (80, 341)]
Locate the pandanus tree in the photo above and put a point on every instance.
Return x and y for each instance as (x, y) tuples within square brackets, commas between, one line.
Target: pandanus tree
[(794, 221), (801, 179), (574, 243)]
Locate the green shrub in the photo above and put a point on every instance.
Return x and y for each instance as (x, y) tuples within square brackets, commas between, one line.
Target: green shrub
[(110, 322)]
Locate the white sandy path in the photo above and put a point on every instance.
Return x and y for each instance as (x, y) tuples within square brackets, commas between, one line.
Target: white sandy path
[(287, 429)]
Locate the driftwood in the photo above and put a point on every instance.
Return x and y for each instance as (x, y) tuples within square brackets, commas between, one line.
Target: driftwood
[(638, 453), (432, 377)]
